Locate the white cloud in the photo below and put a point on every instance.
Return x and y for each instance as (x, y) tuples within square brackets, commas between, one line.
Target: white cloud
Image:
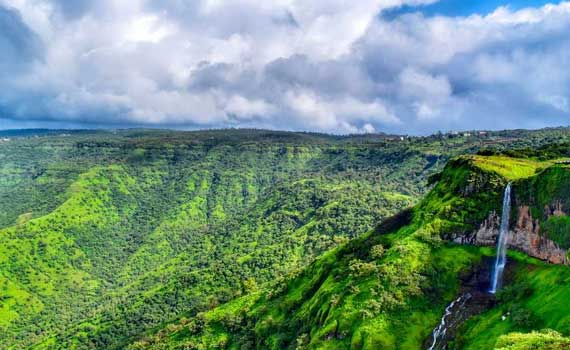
[(420, 85), (344, 114), (147, 28), (324, 65), (559, 102), (247, 109), (426, 93)]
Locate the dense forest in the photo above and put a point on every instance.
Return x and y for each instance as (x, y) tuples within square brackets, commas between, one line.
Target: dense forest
[(387, 288), (245, 239)]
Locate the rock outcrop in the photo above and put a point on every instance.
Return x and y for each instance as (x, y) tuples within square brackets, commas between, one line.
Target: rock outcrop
[(524, 236)]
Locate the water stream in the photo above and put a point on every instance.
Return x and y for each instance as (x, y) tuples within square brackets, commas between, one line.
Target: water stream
[(439, 333), (501, 260), (456, 312)]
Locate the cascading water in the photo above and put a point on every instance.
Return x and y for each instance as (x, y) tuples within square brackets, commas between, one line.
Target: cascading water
[(501, 260), (439, 333), (456, 313)]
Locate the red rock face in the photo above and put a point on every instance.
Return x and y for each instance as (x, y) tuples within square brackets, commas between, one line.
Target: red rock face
[(525, 236), (524, 220), (555, 209)]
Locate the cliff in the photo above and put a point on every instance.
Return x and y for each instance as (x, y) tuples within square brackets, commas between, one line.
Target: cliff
[(524, 236), (539, 222)]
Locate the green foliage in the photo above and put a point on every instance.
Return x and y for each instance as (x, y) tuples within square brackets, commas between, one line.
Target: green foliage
[(140, 227), (463, 197), (557, 228), (543, 340), (537, 299), (157, 239), (523, 318), (548, 196), (377, 251), (383, 289), (388, 288)]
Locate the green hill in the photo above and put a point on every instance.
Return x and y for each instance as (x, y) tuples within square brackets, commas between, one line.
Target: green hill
[(109, 239), (388, 289)]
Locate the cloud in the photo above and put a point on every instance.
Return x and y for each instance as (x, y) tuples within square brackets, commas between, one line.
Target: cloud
[(73, 9), (242, 108), (559, 102), (317, 65), (18, 44), (346, 115), (426, 93), (475, 72)]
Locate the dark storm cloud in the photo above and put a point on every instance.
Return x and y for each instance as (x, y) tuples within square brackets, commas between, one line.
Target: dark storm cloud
[(18, 44), (19, 49)]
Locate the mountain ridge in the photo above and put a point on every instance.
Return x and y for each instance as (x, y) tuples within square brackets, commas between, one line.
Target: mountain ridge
[(187, 225), (318, 303)]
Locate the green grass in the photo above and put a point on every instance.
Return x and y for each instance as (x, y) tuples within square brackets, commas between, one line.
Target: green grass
[(510, 168), (543, 340), (547, 300), (397, 196)]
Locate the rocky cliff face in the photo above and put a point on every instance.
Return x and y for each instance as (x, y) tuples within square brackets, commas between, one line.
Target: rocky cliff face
[(524, 236)]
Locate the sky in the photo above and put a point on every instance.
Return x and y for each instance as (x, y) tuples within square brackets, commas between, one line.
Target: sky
[(335, 66)]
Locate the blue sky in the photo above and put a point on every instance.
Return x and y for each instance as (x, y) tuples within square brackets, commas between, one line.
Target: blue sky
[(413, 66), (466, 8), (452, 8)]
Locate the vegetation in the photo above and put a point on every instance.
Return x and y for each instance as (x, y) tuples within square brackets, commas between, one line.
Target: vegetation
[(240, 238), (545, 340), (537, 299), (548, 197), (388, 288)]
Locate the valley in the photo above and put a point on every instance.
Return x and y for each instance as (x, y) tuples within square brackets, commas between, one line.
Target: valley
[(253, 239)]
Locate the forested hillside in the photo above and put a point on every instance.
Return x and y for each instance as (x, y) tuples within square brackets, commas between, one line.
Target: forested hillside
[(106, 237), (388, 288)]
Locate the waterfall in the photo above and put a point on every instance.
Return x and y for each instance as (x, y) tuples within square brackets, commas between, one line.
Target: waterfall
[(439, 333), (501, 260)]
